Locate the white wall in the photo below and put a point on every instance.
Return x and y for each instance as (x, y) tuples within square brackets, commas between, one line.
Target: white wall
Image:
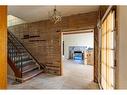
[(83, 39), (13, 20), (122, 21)]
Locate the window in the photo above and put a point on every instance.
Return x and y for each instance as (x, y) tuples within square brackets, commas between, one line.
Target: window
[(108, 52), (12, 20)]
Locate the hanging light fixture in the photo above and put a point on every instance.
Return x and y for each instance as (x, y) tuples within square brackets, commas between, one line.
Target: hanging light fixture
[(55, 16)]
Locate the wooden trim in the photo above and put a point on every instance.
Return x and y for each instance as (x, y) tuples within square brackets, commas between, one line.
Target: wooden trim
[(36, 40), (106, 13), (52, 66), (53, 69), (78, 29), (16, 71), (95, 73), (76, 32), (35, 36), (117, 50), (3, 47)]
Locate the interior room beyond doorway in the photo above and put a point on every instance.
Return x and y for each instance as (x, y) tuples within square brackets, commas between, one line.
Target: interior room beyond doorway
[(78, 54), (79, 47)]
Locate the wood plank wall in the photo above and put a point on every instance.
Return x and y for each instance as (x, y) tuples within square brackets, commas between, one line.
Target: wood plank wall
[(3, 47), (48, 51)]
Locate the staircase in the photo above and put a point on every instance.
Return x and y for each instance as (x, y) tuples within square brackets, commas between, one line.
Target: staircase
[(23, 64)]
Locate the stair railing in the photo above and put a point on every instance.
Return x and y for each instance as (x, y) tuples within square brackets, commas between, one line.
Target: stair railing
[(16, 39), (15, 56)]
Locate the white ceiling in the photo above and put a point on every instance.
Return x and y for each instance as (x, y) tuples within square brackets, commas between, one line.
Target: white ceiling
[(36, 13)]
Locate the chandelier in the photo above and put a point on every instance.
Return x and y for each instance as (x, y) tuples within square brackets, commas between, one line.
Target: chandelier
[(55, 16)]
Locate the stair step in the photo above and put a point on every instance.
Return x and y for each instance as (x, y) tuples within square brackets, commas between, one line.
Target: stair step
[(25, 63), (24, 54), (24, 58), (32, 74), (29, 68), (15, 51), (19, 47)]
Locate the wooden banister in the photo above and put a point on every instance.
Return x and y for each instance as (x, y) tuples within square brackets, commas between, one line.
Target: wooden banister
[(16, 71)]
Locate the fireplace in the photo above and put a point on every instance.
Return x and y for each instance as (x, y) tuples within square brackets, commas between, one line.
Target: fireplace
[(76, 52), (78, 55)]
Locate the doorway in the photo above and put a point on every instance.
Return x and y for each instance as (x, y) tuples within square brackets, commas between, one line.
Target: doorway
[(78, 54)]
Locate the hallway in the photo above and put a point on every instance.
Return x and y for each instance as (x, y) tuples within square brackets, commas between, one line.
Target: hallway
[(76, 76)]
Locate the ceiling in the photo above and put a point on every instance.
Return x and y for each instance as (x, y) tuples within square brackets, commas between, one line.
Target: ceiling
[(36, 13)]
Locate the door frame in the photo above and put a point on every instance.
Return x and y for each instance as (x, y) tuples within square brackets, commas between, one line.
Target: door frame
[(77, 31)]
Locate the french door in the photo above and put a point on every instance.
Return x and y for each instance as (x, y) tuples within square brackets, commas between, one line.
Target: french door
[(108, 51)]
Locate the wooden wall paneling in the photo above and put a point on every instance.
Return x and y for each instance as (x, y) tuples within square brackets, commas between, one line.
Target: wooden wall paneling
[(52, 34), (3, 47)]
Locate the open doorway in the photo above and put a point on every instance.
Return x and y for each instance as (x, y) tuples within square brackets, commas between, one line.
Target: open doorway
[(78, 56)]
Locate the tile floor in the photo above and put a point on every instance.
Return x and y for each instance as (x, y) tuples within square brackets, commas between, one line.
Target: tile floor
[(76, 76)]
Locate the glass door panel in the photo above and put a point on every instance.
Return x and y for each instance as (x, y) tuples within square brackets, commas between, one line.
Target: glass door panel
[(107, 52)]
